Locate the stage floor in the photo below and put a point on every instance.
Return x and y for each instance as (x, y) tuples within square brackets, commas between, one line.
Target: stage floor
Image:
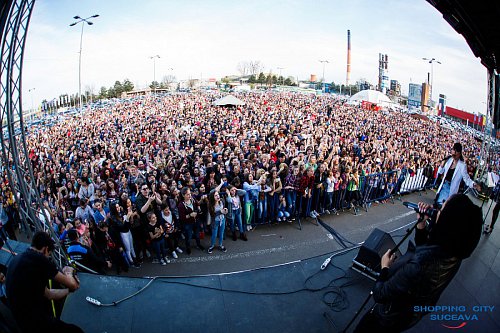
[(249, 289), (294, 297)]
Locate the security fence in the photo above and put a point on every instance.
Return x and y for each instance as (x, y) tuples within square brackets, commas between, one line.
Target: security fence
[(377, 187)]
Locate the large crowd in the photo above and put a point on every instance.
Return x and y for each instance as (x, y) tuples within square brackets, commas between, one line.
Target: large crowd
[(156, 176)]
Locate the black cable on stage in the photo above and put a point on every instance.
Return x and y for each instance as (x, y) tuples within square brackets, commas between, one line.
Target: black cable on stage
[(337, 290), (336, 299)]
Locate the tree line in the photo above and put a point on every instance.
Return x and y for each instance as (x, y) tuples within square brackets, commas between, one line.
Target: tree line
[(116, 90)]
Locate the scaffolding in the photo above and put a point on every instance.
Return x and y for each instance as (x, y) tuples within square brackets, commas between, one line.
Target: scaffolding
[(16, 163)]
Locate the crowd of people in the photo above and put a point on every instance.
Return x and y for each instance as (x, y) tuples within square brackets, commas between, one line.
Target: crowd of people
[(151, 176)]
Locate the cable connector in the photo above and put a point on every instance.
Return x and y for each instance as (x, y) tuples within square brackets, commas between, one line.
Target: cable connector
[(327, 261), (93, 301)]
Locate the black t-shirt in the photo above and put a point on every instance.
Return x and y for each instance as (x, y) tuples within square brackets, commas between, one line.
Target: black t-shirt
[(27, 277), (449, 174), (153, 229)]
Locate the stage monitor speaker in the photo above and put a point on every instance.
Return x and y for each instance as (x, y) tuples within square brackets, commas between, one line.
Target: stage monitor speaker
[(367, 262)]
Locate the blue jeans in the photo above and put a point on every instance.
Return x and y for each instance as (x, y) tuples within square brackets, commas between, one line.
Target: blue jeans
[(329, 200), (273, 206), (218, 228), (262, 208), (190, 231), (159, 248), (307, 203), (444, 193), (291, 197), (283, 213), (316, 200), (236, 218)]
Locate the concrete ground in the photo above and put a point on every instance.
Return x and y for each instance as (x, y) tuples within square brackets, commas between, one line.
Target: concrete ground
[(276, 244)]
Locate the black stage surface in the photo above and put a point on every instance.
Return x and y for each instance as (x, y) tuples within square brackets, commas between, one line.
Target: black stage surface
[(11, 248), (288, 298), (291, 297), (273, 283)]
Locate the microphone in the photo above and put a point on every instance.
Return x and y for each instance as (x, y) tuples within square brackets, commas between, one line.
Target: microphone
[(431, 212), (446, 158)]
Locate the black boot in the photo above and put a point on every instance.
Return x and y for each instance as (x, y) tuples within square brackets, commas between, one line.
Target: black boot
[(243, 236), (234, 236)]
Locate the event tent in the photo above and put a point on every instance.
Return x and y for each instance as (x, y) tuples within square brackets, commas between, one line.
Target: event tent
[(228, 100), (372, 96)]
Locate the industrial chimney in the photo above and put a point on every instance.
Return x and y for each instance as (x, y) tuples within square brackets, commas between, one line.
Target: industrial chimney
[(348, 75)]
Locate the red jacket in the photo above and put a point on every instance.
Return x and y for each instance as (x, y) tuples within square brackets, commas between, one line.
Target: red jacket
[(306, 183)]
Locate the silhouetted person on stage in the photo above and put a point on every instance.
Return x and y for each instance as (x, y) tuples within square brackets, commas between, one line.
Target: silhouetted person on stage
[(26, 285), (419, 277)]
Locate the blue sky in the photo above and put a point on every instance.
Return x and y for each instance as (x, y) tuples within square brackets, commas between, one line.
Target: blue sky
[(209, 38)]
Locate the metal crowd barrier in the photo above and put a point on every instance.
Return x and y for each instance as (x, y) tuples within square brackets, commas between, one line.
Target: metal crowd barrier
[(376, 187)]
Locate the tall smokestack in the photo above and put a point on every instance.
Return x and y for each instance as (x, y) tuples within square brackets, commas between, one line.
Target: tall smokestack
[(348, 75)]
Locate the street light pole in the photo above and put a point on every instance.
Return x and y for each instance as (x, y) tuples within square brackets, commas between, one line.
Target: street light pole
[(323, 77), (154, 72), (82, 21), (32, 105), (282, 80), (431, 61), (171, 78)]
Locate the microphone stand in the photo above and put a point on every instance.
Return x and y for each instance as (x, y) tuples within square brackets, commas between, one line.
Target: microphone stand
[(83, 267), (408, 233)]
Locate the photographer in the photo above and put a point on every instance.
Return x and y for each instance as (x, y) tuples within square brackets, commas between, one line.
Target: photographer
[(27, 292), (422, 274)]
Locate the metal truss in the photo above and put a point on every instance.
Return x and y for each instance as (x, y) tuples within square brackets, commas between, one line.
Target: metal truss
[(487, 152), (14, 21)]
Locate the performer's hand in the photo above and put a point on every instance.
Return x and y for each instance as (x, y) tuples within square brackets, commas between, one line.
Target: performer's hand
[(477, 187), (387, 259), (422, 207)]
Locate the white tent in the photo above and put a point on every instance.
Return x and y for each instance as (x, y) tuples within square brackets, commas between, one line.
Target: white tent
[(371, 96), (228, 100)]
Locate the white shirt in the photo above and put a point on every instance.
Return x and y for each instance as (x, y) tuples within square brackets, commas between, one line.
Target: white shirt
[(459, 174)]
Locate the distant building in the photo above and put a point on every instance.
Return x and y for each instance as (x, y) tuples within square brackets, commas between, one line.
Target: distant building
[(364, 85), (395, 88), (414, 96), (465, 117), (426, 102), (383, 73), (142, 92)]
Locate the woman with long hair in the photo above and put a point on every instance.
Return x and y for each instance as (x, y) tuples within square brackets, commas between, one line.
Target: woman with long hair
[(252, 189), (218, 213), (120, 222), (188, 211)]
